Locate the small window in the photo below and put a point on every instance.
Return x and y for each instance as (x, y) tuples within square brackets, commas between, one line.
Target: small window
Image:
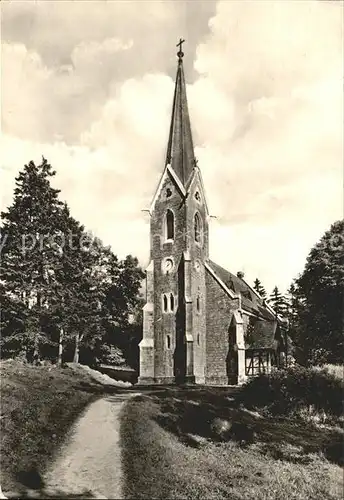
[(168, 193), (165, 303), (169, 225), (197, 228), (197, 196), (168, 341), (198, 339), (198, 304), (172, 302)]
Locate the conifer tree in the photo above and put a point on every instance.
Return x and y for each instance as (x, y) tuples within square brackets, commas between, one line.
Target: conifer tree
[(259, 288), (293, 304), (27, 257), (278, 302), (63, 294)]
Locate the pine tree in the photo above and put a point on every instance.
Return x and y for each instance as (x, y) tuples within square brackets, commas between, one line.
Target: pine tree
[(293, 304), (65, 281), (63, 294), (258, 287), (27, 257), (278, 302)]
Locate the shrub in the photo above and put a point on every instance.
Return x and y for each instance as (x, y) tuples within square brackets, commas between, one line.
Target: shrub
[(220, 428), (336, 370), (288, 391)]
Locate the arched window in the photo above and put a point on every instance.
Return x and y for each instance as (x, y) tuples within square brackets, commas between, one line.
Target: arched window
[(165, 303), (168, 341), (198, 228), (198, 303), (169, 225), (171, 302)]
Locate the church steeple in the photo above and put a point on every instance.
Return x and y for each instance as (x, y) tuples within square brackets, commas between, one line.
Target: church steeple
[(180, 151)]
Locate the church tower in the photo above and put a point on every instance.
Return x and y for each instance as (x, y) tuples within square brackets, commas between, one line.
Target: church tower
[(173, 347)]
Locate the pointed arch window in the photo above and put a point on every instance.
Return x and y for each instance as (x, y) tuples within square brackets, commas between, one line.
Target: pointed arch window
[(198, 228), (165, 303), (171, 302), (169, 223), (198, 303), (168, 302)]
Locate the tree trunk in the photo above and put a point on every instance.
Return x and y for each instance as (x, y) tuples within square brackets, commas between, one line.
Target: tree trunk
[(76, 351), (59, 359), (35, 339)]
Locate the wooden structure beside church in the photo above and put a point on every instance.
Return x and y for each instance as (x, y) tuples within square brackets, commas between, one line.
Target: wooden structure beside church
[(201, 323)]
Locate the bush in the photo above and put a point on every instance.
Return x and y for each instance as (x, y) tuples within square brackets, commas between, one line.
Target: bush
[(289, 391), (336, 370)]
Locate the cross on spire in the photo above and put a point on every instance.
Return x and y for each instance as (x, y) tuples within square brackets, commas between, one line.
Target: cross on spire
[(180, 53)]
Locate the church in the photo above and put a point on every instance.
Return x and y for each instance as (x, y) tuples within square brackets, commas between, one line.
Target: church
[(201, 323)]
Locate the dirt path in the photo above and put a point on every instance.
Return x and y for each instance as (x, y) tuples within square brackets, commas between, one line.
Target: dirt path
[(89, 464)]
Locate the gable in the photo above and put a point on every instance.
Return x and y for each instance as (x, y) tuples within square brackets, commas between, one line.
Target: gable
[(196, 180), (220, 282), (250, 301), (168, 174)]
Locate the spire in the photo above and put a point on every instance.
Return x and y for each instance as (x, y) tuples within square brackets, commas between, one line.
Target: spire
[(180, 152)]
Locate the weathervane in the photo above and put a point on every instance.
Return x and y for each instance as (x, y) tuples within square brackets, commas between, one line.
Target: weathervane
[(180, 53)]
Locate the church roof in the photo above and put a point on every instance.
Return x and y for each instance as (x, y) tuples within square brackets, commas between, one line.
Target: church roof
[(265, 330), (262, 335), (180, 150), (250, 301)]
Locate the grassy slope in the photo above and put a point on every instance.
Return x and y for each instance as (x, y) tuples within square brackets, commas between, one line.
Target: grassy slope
[(158, 463), (38, 406)]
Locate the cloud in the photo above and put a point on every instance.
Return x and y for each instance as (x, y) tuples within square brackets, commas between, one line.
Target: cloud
[(87, 48), (89, 53), (20, 109), (265, 100), (43, 103), (95, 190), (97, 176), (271, 149)]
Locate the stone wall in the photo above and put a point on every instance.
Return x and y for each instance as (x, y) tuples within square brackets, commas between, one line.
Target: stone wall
[(166, 282), (219, 315)]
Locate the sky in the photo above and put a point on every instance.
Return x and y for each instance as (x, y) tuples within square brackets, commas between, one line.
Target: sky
[(89, 85)]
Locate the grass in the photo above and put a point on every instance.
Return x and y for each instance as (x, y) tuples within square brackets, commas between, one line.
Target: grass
[(38, 406), (172, 450)]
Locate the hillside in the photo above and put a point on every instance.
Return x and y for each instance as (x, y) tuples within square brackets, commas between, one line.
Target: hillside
[(38, 407)]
